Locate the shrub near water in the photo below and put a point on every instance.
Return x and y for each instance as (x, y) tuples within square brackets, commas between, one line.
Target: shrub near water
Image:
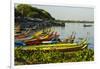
[(41, 57)]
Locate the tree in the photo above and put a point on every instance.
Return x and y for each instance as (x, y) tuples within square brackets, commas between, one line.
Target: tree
[(24, 9), (17, 13), (33, 15), (29, 11)]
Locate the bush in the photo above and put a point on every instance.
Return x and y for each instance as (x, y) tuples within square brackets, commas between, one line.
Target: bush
[(42, 57)]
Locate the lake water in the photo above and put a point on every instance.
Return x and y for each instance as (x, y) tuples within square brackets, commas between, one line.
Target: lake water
[(79, 29)]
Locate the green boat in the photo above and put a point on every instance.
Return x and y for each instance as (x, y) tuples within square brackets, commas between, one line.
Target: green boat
[(58, 46)]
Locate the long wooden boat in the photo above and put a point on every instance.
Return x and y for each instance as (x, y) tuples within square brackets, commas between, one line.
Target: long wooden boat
[(22, 36), (32, 41), (35, 36), (19, 43), (58, 47), (49, 37), (39, 40)]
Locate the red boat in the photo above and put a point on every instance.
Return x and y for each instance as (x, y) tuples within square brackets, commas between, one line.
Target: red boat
[(33, 42), (40, 39), (51, 36)]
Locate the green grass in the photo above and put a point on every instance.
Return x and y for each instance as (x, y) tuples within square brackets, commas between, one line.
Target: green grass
[(23, 57)]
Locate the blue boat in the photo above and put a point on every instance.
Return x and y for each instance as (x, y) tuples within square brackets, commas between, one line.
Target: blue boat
[(19, 43)]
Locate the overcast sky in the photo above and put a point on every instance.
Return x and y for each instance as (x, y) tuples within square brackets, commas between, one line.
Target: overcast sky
[(69, 13)]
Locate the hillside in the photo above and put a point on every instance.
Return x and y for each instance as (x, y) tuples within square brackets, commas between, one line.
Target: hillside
[(26, 10)]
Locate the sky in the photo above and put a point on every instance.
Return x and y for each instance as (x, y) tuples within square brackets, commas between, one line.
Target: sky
[(69, 12)]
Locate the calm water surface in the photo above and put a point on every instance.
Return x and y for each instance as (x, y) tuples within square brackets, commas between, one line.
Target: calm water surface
[(79, 29)]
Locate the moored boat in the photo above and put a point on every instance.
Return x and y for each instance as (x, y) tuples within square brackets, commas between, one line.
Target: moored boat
[(23, 36), (85, 25), (19, 43), (41, 39), (59, 46)]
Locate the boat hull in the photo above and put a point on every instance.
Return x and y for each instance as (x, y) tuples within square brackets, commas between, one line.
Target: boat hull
[(62, 47)]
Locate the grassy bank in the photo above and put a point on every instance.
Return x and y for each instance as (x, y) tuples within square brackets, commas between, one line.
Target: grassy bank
[(23, 57)]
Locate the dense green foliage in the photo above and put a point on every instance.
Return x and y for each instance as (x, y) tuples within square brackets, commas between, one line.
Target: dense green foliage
[(29, 11), (41, 57)]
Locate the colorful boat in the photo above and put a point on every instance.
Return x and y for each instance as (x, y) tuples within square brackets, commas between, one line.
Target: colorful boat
[(19, 43), (37, 34), (22, 36), (59, 46), (33, 42), (41, 39)]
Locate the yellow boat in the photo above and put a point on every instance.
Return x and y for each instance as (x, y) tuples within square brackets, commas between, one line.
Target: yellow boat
[(58, 47), (37, 34)]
